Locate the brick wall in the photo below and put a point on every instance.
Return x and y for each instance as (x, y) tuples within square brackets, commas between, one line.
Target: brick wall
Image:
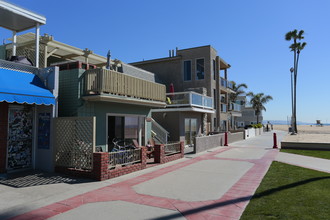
[(3, 135), (101, 170), (160, 157)]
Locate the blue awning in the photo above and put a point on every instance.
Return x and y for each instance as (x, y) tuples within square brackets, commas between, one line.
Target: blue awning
[(23, 88)]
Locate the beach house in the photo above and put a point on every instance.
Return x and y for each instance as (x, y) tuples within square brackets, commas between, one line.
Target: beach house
[(120, 97)]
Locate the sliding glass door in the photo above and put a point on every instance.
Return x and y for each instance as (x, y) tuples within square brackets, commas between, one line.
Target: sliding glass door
[(125, 128)]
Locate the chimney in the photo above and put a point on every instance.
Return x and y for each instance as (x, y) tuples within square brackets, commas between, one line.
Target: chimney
[(169, 53)]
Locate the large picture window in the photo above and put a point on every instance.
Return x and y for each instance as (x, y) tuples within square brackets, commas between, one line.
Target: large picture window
[(200, 69), (187, 70)]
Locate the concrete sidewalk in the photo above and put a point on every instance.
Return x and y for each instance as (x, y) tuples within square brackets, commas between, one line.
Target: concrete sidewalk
[(217, 184), (304, 161)]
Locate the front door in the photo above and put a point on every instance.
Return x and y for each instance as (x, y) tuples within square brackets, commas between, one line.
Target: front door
[(190, 130), (20, 126)]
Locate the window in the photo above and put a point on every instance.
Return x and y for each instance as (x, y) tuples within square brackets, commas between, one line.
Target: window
[(214, 70), (215, 98), (187, 70), (200, 69)]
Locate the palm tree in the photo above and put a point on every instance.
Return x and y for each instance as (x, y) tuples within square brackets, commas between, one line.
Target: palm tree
[(258, 101), (296, 47), (238, 89)]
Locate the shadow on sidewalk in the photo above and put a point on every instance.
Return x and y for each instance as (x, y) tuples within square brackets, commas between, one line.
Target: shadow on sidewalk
[(38, 178), (241, 199)]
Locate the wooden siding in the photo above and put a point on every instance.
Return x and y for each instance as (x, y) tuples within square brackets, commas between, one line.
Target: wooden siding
[(102, 81)]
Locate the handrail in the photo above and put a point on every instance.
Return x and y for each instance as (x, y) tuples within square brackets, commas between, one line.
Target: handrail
[(160, 133)]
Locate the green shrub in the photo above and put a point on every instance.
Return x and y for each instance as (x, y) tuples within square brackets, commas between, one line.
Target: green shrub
[(257, 126)]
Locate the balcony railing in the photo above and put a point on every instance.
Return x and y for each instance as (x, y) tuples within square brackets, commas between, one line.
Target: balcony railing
[(230, 85), (180, 99), (223, 108), (103, 81), (226, 84), (223, 82), (234, 107)]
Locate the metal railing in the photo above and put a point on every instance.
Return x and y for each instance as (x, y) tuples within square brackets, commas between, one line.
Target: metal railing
[(4, 64), (160, 133), (234, 107), (179, 99), (172, 148), (124, 157), (103, 81)]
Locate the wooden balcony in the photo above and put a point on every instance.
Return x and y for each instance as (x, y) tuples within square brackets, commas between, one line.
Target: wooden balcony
[(108, 85)]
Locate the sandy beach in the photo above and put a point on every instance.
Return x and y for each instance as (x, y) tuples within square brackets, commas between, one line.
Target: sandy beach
[(305, 129)]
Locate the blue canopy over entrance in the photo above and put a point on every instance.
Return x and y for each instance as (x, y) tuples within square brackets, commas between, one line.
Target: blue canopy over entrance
[(23, 88)]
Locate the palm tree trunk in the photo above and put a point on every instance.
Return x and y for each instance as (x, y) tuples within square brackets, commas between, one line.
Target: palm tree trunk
[(258, 118), (294, 91)]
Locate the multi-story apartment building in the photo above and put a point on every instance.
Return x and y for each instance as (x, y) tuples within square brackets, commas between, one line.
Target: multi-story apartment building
[(195, 68)]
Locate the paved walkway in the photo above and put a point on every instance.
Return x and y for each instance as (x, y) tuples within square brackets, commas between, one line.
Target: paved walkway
[(217, 184), (304, 161)]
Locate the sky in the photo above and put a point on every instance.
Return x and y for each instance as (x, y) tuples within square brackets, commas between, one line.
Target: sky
[(249, 35)]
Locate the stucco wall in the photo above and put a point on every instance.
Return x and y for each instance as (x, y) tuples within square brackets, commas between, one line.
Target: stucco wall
[(174, 123), (233, 137), (169, 121), (207, 142)]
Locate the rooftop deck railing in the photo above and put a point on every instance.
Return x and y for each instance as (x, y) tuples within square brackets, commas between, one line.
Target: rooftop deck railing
[(103, 81), (181, 99)]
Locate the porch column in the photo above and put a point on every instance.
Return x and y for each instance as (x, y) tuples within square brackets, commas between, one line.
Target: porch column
[(14, 42), (37, 44)]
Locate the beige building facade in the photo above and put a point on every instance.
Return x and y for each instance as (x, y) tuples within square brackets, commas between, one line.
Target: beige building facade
[(193, 69)]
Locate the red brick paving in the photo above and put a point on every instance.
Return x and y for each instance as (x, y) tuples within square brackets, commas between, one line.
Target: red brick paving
[(230, 206)]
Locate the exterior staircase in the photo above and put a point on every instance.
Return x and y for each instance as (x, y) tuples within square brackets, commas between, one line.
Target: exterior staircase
[(159, 133)]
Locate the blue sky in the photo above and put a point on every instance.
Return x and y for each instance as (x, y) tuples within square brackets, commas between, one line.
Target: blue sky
[(249, 35)]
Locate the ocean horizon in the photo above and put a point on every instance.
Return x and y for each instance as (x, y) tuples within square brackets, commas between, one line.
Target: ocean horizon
[(281, 122)]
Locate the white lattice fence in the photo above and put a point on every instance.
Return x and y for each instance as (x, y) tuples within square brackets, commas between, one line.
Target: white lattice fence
[(29, 52), (74, 142)]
